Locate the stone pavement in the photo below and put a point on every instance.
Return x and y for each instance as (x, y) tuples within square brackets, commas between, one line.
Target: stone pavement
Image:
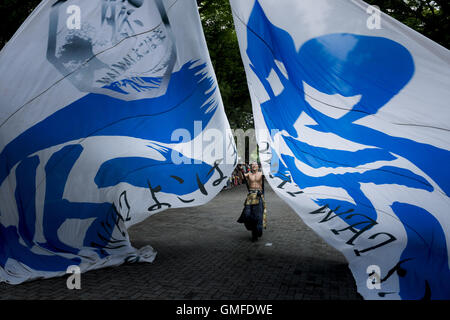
[(203, 253)]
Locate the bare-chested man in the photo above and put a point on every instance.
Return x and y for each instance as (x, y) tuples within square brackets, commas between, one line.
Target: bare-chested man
[(253, 215), (254, 177)]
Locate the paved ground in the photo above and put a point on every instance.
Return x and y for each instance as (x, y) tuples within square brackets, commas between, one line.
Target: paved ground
[(204, 254)]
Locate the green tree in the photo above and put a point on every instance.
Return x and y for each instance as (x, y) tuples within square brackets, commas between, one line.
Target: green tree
[(223, 48)]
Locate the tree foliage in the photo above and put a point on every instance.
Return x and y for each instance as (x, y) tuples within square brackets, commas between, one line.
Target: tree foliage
[(12, 14), (429, 17), (225, 56)]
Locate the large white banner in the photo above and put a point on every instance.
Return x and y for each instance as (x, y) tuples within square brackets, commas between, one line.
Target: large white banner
[(109, 113), (352, 114)]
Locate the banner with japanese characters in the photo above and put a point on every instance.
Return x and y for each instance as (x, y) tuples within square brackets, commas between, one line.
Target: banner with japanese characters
[(352, 113), (109, 113)]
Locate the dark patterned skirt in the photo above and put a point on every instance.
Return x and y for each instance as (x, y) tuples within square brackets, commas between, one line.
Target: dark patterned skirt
[(254, 213)]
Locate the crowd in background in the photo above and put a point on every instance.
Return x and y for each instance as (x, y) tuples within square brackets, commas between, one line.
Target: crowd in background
[(237, 178)]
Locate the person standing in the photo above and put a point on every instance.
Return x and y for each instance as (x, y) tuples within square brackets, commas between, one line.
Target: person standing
[(254, 213)]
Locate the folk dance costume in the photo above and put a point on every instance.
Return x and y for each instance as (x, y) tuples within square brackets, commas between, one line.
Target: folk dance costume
[(254, 214)]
